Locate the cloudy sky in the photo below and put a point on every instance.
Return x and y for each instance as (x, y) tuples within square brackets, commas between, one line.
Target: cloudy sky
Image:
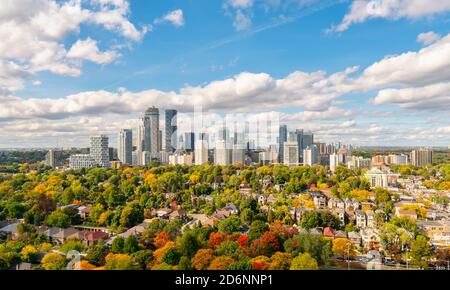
[(362, 72)]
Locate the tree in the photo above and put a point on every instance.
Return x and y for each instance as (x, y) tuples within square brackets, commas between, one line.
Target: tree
[(172, 257), (260, 263), (143, 258), (231, 249), (280, 261), (421, 252), (264, 246), (221, 263), (257, 229), (53, 261), (343, 247), (29, 254), (188, 244), (317, 246), (185, 264), (215, 239), (118, 245), (72, 245), (58, 219), (120, 262), (132, 215), (96, 254), (203, 259), (304, 262), (161, 239), (230, 225), (131, 245)]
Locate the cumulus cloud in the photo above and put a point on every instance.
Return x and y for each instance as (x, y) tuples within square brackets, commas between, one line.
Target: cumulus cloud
[(362, 10), (32, 39), (428, 38), (245, 92), (436, 97), (176, 18), (88, 50), (429, 65)]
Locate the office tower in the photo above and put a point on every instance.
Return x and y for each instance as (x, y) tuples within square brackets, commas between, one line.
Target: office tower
[(50, 158), (335, 160), (291, 153), (112, 154), (189, 141), (201, 152), (310, 155), (221, 153), (126, 146), (308, 139), (171, 130), (99, 150), (160, 146), (223, 135), (238, 154), (148, 133), (282, 137), (422, 157)]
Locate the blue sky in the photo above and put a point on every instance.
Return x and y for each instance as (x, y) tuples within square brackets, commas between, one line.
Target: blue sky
[(211, 41)]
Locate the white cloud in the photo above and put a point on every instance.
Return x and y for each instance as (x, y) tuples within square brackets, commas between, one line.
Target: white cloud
[(176, 18), (242, 21), (362, 10), (436, 97), (88, 50), (32, 39), (240, 3), (427, 66), (428, 38)]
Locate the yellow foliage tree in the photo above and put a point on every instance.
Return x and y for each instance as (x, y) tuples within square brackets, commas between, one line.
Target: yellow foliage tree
[(343, 247)]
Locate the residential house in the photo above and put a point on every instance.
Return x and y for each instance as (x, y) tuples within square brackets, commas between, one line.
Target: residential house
[(355, 238), (361, 221)]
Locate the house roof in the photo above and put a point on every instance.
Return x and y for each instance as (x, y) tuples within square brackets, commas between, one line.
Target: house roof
[(10, 228)]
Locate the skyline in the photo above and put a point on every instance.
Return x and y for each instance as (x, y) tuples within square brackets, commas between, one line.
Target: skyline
[(352, 72)]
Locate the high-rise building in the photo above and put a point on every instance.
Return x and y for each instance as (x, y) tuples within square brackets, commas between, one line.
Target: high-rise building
[(282, 137), (238, 154), (201, 152), (422, 157), (311, 155), (222, 156), (308, 139), (148, 133), (335, 160), (99, 150), (171, 130), (189, 141), (126, 146), (50, 158), (291, 153)]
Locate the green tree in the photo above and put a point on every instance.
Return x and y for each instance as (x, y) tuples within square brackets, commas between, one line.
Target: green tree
[(58, 219), (131, 245), (118, 245), (421, 252)]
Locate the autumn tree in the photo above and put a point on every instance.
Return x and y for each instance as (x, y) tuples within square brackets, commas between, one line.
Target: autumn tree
[(304, 262), (203, 259), (221, 263), (343, 247)]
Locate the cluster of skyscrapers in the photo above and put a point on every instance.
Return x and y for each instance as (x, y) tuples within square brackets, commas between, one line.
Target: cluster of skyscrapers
[(293, 148)]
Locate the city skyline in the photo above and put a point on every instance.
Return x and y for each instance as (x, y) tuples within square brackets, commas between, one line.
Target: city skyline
[(350, 73)]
